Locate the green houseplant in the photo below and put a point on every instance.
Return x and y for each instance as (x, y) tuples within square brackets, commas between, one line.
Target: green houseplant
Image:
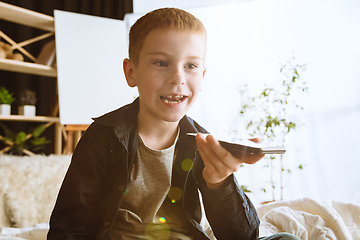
[(27, 100), (274, 114), (23, 143), (6, 99)]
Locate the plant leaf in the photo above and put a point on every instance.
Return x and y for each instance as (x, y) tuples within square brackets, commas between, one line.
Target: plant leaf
[(245, 188), (9, 135), (39, 141), (20, 138), (38, 130)]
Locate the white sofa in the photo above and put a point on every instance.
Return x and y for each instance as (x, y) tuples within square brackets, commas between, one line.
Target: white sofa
[(28, 189)]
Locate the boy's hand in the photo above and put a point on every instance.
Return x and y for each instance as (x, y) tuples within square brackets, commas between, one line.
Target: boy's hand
[(219, 163)]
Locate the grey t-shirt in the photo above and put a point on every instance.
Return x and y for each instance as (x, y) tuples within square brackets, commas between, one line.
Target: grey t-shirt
[(145, 211)]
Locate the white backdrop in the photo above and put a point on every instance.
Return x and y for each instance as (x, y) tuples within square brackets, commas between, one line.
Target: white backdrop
[(246, 42), (89, 53)]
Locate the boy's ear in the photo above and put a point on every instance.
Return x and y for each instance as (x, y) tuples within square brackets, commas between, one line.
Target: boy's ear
[(203, 75), (128, 67)]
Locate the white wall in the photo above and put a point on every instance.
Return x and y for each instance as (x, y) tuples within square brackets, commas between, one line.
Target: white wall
[(246, 42), (143, 6)]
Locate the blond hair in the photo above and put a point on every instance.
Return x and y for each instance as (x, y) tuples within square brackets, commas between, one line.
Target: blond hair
[(167, 18)]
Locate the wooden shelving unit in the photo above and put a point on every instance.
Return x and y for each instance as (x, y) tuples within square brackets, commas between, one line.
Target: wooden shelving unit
[(26, 17), (27, 67), (19, 118), (37, 20), (33, 19)]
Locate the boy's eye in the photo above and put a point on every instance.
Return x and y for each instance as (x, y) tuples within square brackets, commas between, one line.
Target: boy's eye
[(191, 66), (161, 64)]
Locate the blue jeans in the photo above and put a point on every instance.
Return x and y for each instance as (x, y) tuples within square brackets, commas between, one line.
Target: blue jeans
[(280, 236)]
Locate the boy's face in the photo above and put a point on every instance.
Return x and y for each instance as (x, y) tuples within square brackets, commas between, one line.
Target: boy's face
[(169, 73)]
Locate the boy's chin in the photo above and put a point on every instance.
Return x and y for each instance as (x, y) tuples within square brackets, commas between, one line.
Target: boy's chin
[(174, 118)]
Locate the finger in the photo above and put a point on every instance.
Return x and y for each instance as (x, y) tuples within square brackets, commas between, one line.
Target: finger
[(255, 140), (223, 160), (201, 145), (205, 151), (211, 160), (254, 158), (210, 172), (234, 159)]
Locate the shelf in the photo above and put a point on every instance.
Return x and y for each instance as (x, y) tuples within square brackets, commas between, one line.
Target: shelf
[(33, 19), (26, 17), (29, 119), (41, 21), (27, 67)]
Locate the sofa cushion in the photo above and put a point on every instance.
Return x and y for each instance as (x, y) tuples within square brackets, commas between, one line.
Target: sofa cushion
[(28, 188)]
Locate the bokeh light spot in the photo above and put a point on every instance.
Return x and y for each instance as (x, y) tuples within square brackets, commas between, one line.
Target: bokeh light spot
[(162, 219), (187, 165), (174, 194)]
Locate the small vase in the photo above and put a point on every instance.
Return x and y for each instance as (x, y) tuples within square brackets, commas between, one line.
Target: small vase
[(5, 109), (27, 110)]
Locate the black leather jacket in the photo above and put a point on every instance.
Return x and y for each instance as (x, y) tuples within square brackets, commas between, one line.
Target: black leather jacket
[(98, 176)]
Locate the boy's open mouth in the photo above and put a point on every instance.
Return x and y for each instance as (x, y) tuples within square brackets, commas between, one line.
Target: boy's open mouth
[(172, 98)]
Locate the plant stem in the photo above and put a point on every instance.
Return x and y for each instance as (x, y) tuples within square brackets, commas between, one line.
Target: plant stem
[(271, 180), (281, 177)]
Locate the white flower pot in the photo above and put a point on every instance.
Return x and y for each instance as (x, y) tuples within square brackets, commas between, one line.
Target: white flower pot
[(27, 110), (5, 109)]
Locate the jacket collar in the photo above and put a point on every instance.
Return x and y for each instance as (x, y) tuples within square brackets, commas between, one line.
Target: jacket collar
[(124, 122)]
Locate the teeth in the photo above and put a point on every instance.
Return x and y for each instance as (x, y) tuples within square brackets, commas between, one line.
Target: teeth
[(172, 98), (169, 101), (176, 97)]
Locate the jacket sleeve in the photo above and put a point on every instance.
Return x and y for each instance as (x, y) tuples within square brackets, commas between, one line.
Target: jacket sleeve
[(77, 211), (230, 212)]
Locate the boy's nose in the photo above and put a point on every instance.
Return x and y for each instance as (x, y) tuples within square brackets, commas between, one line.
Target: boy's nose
[(177, 78)]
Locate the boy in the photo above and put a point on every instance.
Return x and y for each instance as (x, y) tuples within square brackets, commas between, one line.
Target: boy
[(135, 174)]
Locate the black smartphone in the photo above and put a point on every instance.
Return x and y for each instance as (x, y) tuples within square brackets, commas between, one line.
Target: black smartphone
[(248, 146)]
